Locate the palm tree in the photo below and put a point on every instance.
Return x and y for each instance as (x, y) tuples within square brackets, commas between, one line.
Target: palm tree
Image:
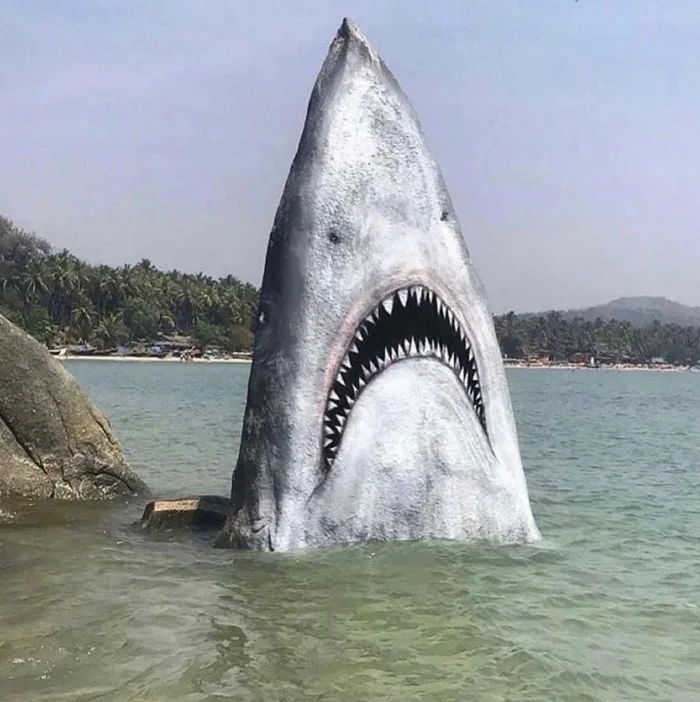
[(82, 321), (188, 304), (34, 280), (110, 330)]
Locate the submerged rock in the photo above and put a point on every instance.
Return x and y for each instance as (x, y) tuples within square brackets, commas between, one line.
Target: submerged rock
[(53, 441), (200, 513)]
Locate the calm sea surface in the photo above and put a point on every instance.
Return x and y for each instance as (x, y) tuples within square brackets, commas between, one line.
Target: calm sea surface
[(607, 607)]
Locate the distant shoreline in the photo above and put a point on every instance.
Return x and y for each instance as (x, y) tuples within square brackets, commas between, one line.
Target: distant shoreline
[(152, 359), (613, 367), (531, 366)]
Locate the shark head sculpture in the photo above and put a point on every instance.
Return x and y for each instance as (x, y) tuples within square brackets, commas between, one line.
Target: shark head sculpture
[(377, 406)]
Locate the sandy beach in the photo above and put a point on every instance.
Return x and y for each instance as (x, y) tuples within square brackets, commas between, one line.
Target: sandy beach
[(146, 359), (566, 366), (615, 367)]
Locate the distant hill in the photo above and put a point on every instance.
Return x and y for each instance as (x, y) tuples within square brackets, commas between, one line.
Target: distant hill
[(640, 311)]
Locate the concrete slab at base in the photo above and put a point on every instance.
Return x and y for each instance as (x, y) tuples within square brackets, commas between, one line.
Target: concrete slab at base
[(201, 513)]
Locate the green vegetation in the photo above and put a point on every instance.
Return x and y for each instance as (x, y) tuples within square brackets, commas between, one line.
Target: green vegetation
[(552, 335), (61, 300)]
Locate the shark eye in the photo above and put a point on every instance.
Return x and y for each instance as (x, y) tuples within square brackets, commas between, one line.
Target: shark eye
[(443, 217), (333, 237)]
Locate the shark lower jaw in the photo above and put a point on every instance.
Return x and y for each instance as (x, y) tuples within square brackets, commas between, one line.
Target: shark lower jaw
[(410, 322)]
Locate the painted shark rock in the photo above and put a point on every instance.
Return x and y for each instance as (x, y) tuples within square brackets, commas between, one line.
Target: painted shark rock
[(378, 406)]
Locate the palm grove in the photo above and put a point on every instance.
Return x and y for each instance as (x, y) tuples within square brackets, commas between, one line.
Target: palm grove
[(60, 300), (608, 341)]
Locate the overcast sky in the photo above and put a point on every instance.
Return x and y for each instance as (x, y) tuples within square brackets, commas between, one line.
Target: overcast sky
[(568, 132)]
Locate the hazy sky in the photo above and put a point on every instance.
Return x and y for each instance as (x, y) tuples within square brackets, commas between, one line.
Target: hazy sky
[(568, 132)]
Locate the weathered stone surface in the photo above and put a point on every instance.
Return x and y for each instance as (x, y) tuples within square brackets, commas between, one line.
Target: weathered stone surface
[(201, 513), (53, 441)]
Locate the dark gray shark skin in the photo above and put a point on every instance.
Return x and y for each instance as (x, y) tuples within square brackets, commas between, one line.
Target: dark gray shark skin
[(378, 407)]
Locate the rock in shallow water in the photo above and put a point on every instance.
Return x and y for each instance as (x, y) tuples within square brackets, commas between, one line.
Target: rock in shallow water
[(53, 441), (200, 513)]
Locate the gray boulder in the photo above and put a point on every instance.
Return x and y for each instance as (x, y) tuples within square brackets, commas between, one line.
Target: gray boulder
[(53, 441)]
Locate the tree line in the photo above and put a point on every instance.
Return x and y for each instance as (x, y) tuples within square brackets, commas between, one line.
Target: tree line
[(521, 336), (62, 300)]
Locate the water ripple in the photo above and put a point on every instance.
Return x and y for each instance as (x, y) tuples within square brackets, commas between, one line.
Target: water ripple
[(606, 607)]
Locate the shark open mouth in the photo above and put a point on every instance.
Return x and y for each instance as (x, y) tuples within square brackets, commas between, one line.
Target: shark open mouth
[(412, 322)]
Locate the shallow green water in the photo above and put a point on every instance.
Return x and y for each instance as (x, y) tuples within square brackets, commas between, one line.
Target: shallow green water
[(607, 607)]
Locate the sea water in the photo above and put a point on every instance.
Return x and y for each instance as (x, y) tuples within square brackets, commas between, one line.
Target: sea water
[(606, 607)]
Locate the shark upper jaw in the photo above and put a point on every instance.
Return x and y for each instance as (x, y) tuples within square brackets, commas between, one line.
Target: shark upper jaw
[(412, 320)]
